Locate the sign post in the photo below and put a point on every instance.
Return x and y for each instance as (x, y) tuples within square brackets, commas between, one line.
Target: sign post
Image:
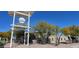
[(12, 29), (28, 29)]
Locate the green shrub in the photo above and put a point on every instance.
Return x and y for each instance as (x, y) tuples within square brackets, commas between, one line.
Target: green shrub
[(2, 43)]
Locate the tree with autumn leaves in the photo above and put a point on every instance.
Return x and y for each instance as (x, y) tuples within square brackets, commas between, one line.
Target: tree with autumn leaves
[(5, 35), (71, 30)]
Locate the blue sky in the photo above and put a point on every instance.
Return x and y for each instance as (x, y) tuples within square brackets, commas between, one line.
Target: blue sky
[(59, 18)]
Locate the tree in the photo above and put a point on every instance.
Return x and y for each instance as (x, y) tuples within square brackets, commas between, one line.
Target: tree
[(5, 36), (72, 30), (43, 28)]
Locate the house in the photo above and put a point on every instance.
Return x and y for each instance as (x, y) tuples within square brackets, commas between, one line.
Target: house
[(52, 39), (64, 39)]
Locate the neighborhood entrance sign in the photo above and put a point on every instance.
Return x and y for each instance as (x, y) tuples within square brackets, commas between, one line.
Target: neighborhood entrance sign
[(23, 15)]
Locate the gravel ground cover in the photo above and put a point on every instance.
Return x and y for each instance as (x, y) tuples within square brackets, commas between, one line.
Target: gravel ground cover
[(72, 45)]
